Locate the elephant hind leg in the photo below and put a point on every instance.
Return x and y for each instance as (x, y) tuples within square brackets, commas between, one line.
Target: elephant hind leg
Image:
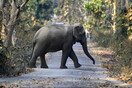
[(33, 61), (36, 52), (43, 61), (73, 56)]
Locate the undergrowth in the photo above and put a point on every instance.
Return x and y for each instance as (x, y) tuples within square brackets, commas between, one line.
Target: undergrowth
[(14, 60), (122, 65)]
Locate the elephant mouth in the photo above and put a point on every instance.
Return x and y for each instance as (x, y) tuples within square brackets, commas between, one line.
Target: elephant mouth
[(80, 41)]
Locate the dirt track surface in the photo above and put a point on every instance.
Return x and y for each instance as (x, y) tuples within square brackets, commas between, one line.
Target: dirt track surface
[(87, 76)]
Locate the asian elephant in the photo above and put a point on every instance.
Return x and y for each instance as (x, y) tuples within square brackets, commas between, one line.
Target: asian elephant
[(58, 37)]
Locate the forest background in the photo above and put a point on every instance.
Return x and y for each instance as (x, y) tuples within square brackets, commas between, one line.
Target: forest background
[(109, 21)]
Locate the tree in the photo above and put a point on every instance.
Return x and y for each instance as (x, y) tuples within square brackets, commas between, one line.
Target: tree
[(71, 11), (96, 10), (60, 4), (44, 9), (11, 10), (38, 12), (114, 15)]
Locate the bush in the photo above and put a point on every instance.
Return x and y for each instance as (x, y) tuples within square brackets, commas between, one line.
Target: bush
[(20, 57), (103, 39), (3, 59), (14, 60), (123, 51), (122, 66)]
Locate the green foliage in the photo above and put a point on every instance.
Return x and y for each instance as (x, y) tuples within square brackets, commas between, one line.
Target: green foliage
[(123, 66), (37, 11), (122, 26), (71, 12), (3, 59), (31, 7), (44, 10), (14, 61), (95, 7), (102, 38), (20, 57), (100, 22), (99, 17)]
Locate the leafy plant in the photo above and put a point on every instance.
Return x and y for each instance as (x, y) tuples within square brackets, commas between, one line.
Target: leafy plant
[(101, 21), (95, 7), (3, 59)]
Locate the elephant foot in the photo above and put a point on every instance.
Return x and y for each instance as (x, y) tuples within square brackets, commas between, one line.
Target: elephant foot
[(78, 65), (63, 67), (44, 66)]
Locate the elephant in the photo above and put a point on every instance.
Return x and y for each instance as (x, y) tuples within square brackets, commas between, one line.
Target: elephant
[(56, 37)]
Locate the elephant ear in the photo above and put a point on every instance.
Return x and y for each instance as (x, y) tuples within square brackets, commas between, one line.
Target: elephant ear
[(77, 30)]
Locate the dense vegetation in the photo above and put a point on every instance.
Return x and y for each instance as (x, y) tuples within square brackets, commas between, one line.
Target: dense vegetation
[(108, 20)]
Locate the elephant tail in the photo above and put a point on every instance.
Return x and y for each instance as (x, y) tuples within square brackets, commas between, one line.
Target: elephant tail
[(33, 44)]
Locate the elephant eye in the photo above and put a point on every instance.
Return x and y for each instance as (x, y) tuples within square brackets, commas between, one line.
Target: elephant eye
[(81, 27), (83, 34)]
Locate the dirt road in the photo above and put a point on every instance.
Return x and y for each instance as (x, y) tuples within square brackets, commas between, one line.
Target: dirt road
[(87, 76)]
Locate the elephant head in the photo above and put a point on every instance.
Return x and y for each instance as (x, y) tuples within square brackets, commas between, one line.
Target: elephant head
[(79, 35)]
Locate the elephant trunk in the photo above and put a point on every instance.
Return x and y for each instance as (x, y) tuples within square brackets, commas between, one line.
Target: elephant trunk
[(84, 46)]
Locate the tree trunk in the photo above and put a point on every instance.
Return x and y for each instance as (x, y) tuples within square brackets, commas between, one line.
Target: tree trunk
[(114, 15), (123, 3), (0, 23), (9, 36), (13, 16), (1, 4), (60, 4)]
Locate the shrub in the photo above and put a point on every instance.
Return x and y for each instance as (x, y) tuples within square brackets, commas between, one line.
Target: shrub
[(102, 38), (14, 60), (3, 59), (122, 66), (123, 51)]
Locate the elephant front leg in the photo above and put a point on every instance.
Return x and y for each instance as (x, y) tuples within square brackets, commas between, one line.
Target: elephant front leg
[(43, 61), (65, 54), (73, 56)]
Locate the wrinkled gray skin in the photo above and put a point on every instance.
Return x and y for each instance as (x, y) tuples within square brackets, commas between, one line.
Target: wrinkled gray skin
[(58, 37)]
